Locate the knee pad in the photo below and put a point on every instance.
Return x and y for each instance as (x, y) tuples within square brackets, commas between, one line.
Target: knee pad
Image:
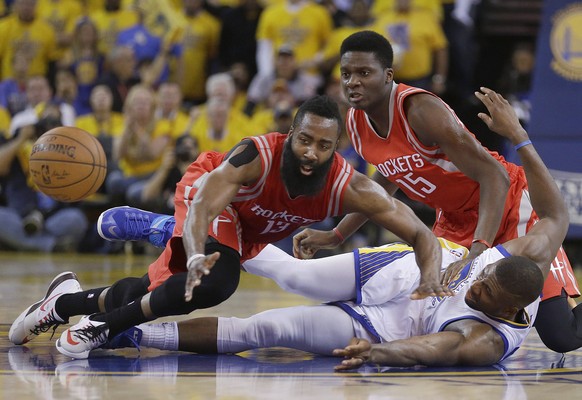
[(125, 291), (224, 276), (219, 285)]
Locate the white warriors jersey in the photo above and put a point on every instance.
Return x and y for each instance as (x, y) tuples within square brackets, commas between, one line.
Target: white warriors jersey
[(388, 275)]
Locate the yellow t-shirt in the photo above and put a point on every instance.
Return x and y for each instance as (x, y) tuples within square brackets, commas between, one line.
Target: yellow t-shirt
[(415, 36), (36, 39), (109, 24), (177, 125), (305, 30), (381, 7), (4, 121), (199, 44), (238, 126), (240, 101), (338, 35), (263, 121), (131, 168), (113, 127), (62, 15)]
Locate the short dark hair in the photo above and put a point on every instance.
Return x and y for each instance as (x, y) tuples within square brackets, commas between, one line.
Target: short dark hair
[(370, 42), (322, 106), (521, 278)]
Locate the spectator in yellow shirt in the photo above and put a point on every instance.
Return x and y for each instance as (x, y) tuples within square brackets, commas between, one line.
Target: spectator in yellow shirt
[(139, 149), (62, 16), (110, 20), (103, 123), (168, 110), (23, 31), (303, 25), (199, 49), (420, 46), (357, 18), (217, 125)]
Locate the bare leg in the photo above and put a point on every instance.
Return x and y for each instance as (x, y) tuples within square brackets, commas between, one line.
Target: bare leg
[(198, 335)]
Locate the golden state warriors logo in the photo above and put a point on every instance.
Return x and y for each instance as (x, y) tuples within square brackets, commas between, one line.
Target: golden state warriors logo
[(566, 42)]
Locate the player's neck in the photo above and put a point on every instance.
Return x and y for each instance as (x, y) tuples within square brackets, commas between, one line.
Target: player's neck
[(379, 115)]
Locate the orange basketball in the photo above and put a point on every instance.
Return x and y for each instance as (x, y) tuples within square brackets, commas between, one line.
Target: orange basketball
[(67, 164)]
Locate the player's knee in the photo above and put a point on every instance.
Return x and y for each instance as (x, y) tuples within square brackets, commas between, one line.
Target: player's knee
[(216, 287), (296, 281), (260, 332), (224, 277), (124, 292)]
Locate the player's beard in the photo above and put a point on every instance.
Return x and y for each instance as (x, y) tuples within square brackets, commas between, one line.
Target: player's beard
[(298, 184)]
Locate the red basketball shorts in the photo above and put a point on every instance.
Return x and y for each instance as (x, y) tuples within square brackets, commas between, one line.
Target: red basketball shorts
[(225, 228)]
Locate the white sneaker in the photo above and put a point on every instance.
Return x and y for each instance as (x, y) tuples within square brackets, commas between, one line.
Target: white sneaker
[(80, 339), (41, 316)]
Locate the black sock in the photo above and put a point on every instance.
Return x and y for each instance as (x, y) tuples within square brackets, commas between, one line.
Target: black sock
[(122, 318), (82, 303)]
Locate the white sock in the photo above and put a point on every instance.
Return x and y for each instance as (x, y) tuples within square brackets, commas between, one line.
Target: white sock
[(162, 336)]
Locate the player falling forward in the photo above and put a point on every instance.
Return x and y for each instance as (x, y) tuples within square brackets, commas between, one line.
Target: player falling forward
[(497, 294)]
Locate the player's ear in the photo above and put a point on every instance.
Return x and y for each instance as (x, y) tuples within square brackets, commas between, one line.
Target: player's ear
[(389, 73)]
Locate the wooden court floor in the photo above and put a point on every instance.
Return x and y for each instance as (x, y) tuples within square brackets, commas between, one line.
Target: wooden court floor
[(38, 371)]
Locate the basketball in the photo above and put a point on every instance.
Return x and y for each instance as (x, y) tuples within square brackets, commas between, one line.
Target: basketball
[(67, 164)]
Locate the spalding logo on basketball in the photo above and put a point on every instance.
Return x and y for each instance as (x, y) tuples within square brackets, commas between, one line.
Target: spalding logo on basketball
[(68, 164)]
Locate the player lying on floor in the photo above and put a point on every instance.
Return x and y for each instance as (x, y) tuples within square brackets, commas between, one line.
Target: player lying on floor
[(494, 307)]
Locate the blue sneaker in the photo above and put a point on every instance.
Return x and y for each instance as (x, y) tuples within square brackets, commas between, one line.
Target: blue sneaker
[(129, 223), (128, 338)]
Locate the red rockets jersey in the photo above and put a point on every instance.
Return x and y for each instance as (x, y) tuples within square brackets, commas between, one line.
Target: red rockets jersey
[(422, 173), (265, 210)]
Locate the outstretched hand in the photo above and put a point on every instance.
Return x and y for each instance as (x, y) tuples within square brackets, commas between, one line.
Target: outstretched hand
[(502, 118), (196, 272), (356, 354)]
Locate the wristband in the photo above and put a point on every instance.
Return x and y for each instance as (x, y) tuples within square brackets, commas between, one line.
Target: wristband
[(482, 241), (338, 234), (193, 258), (520, 145)]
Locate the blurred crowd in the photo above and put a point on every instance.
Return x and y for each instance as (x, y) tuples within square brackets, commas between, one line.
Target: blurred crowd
[(159, 81)]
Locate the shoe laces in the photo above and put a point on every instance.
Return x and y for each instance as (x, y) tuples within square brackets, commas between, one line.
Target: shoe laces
[(156, 235), (136, 224), (91, 333), (46, 323)]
